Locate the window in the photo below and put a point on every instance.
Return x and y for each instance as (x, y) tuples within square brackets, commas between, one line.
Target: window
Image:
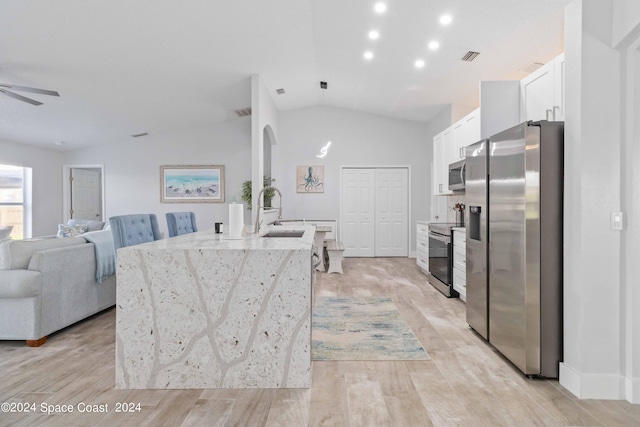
[(15, 202)]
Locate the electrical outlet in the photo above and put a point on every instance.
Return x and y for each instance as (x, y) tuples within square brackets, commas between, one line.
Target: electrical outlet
[(617, 221)]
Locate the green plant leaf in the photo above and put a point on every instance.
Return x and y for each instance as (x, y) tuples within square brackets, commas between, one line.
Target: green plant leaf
[(268, 194)]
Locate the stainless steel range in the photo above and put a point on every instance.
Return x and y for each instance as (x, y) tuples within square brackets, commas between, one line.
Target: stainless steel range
[(441, 258)]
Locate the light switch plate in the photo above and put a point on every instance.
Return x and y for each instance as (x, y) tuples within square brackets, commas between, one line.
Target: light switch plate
[(617, 221)]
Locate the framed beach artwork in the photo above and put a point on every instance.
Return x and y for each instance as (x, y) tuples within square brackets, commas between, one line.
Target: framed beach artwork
[(310, 179), (192, 184)]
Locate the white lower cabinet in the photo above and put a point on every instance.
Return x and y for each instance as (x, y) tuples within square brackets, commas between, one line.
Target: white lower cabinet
[(460, 263), (422, 246)]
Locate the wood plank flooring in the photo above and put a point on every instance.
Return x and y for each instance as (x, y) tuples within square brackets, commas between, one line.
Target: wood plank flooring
[(465, 383)]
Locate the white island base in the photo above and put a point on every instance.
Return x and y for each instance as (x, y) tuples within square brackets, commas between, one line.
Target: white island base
[(199, 311)]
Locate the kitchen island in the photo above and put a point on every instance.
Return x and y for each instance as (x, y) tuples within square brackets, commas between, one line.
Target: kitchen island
[(203, 311)]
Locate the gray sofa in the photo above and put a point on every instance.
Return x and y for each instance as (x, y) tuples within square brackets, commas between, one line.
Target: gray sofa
[(47, 284)]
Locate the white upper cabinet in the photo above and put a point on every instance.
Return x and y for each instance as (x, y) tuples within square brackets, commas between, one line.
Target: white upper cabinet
[(449, 142), (449, 147), (440, 175), (458, 136), (542, 92), (467, 131)]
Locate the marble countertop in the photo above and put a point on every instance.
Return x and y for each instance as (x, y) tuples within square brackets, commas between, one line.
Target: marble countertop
[(208, 239), (458, 228), (202, 311)]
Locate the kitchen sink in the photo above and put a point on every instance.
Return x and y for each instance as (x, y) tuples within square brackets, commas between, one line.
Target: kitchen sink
[(285, 233)]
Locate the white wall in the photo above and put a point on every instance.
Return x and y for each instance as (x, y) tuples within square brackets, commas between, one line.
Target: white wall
[(626, 17), (631, 240), (264, 116), (358, 139), (132, 169), (46, 168), (438, 124), (601, 345)]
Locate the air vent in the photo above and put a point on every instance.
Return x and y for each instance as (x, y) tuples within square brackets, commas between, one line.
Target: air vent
[(280, 91), (243, 112), (531, 67), (138, 135), (470, 56)]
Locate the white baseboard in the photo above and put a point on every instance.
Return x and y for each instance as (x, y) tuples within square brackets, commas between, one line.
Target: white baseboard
[(594, 386), (632, 389), (569, 379), (412, 254)]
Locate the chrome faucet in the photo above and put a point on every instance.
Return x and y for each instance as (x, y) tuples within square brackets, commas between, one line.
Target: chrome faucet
[(256, 230)]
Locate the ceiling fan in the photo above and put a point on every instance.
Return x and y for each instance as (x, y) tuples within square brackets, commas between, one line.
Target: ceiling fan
[(4, 89)]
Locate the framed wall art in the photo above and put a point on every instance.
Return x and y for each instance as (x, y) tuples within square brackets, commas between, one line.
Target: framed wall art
[(191, 184), (310, 179)]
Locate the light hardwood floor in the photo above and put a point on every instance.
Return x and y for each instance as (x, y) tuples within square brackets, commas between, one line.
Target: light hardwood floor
[(466, 382)]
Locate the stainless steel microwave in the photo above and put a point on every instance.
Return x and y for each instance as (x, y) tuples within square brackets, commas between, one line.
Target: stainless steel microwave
[(456, 175)]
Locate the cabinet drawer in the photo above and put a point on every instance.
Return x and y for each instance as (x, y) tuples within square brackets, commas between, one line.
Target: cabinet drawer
[(422, 243), (459, 278), (460, 283), (460, 258), (422, 259), (422, 229), (459, 237)]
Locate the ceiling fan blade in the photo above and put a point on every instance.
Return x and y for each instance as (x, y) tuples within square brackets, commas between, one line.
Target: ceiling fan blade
[(30, 89), (20, 97)]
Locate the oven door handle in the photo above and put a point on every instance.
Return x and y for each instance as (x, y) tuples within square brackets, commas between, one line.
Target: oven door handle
[(439, 237)]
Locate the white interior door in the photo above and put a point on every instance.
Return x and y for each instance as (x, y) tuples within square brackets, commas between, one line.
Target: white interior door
[(358, 213), (392, 216), (85, 194)]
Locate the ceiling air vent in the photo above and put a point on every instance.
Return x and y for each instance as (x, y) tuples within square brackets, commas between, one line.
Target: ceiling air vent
[(470, 56), (243, 112), (280, 91), (138, 135)]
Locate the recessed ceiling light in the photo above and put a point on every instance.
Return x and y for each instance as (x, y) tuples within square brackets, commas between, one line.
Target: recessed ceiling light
[(446, 19), (59, 143), (419, 63), (433, 45), (373, 35), (368, 55), (380, 7)]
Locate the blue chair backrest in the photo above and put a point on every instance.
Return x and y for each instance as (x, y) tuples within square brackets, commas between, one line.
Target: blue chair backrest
[(129, 230), (180, 223)]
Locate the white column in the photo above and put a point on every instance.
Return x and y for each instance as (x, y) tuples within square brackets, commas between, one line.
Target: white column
[(593, 306)]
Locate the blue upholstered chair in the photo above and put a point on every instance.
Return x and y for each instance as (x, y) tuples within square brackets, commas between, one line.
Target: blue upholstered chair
[(180, 223), (129, 230)]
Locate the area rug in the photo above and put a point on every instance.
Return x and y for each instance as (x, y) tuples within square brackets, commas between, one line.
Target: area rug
[(364, 328)]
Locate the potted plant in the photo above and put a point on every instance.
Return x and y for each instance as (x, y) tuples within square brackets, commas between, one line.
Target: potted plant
[(268, 194)]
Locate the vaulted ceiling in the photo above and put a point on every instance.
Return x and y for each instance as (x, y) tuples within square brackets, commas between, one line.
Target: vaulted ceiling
[(124, 67)]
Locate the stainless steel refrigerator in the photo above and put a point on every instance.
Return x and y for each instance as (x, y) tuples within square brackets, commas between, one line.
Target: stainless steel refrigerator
[(514, 184)]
